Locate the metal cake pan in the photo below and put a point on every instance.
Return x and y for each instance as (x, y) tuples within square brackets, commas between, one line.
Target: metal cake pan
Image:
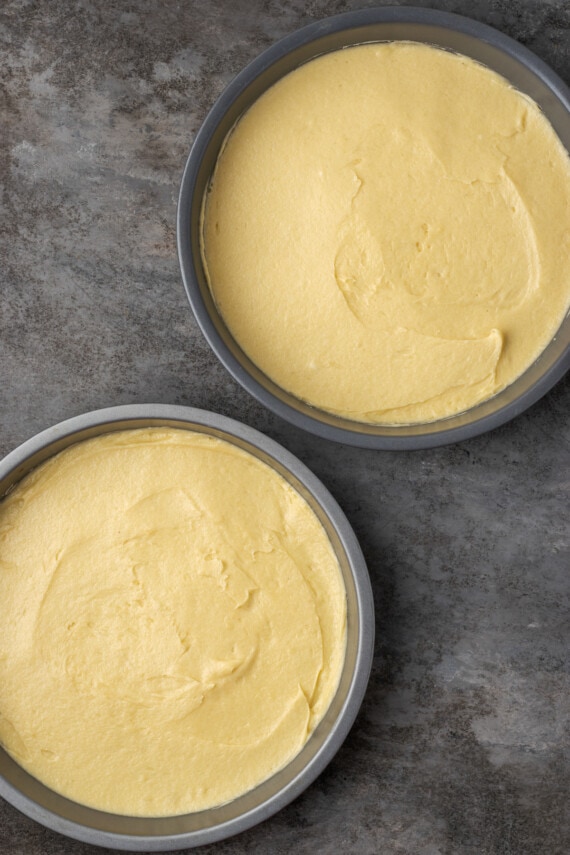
[(522, 68), (177, 832)]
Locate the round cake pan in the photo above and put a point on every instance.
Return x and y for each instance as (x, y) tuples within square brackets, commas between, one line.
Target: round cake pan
[(451, 32), (177, 832)]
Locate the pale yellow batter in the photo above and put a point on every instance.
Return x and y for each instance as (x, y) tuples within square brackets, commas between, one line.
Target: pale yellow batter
[(387, 233), (173, 622)]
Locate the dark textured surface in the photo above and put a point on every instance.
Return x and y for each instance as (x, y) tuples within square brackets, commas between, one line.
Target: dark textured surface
[(461, 744)]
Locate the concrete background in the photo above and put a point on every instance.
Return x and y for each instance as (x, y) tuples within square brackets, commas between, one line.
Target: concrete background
[(460, 747)]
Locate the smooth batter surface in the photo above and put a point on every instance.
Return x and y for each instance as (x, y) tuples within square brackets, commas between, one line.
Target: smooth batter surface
[(173, 622), (387, 233)]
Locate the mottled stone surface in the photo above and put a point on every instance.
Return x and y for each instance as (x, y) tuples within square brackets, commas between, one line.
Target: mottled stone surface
[(460, 747)]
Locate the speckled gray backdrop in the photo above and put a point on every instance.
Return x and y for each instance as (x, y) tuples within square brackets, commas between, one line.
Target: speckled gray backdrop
[(460, 747)]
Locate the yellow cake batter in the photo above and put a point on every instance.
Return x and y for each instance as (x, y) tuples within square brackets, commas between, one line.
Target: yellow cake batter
[(173, 622), (387, 233)]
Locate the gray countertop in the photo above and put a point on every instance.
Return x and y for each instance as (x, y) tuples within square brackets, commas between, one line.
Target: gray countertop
[(460, 747)]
